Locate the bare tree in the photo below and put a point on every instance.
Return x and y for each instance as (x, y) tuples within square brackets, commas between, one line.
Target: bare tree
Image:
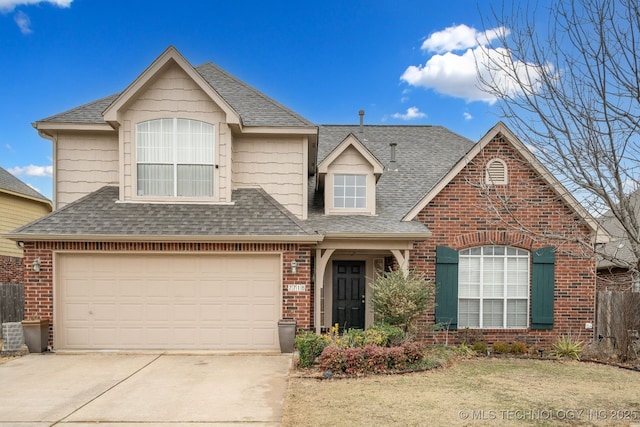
[(570, 88)]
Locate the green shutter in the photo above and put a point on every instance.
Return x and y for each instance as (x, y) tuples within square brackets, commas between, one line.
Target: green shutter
[(542, 288), (447, 286)]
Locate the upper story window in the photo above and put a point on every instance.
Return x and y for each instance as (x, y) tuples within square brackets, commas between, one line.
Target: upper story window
[(349, 191), (175, 158), (496, 173), (493, 287)]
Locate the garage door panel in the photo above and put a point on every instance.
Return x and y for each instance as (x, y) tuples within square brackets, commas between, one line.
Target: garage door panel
[(125, 301)]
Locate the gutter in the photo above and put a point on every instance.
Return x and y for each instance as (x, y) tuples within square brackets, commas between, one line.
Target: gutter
[(160, 238)]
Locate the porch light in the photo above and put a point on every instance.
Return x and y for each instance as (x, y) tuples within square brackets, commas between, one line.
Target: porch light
[(294, 267), (36, 265)]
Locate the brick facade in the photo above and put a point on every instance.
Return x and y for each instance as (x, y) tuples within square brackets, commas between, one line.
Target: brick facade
[(526, 214), (10, 269), (38, 291)]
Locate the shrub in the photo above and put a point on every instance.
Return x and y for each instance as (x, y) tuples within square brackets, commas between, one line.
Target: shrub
[(353, 338), (332, 359), (518, 347), (309, 347), (396, 359), (501, 348), (384, 334), (413, 352), (355, 362), (464, 350), (376, 358), (567, 346), (480, 347), (399, 299)]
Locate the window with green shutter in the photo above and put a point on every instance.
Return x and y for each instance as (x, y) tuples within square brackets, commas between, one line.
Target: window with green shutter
[(542, 288), (447, 287)]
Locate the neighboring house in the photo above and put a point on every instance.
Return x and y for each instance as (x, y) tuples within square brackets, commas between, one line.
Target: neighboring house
[(616, 256), (194, 212), (19, 205)]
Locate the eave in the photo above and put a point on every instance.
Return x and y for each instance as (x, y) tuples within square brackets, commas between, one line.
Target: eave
[(160, 238)]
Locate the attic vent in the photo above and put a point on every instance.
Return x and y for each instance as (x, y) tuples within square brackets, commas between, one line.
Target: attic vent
[(496, 173)]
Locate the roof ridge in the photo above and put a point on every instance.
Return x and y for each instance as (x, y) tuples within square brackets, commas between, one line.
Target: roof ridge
[(252, 89)]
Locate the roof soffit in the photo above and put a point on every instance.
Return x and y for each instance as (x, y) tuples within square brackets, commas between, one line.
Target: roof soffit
[(168, 57)]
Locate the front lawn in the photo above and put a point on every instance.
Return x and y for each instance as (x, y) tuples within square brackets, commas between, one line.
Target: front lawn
[(471, 392)]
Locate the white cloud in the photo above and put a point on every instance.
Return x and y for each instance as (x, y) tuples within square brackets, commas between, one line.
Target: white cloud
[(9, 148), (9, 5), (412, 113), (461, 52), (467, 116), (32, 170), (460, 37), (23, 22)]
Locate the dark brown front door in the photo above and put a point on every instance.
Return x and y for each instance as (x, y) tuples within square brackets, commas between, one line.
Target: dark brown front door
[(348, 294)]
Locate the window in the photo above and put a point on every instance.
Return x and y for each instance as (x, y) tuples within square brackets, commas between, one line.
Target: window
[(496, 173), (493, 287), (175, 158), (350, 191)]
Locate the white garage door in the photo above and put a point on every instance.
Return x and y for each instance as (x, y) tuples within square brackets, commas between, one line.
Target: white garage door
[(134, 301)]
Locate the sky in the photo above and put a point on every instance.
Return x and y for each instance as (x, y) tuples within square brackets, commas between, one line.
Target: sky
[(406, 62)]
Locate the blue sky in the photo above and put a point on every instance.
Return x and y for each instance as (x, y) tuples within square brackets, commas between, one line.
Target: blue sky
[(403, 62)]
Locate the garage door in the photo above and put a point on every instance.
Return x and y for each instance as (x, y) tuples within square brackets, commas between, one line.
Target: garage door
[(133, 301)]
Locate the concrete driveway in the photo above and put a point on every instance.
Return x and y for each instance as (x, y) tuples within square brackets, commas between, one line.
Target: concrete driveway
[(134, 389)]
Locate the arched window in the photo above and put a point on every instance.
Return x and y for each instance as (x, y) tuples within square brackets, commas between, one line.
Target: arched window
[(493, 287), (496, 173), (175, 158)]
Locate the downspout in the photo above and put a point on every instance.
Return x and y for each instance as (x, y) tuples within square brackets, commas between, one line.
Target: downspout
[(54, 143)]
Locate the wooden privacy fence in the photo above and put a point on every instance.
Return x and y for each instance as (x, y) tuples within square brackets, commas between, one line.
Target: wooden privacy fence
[(618, 321), (11, 303)]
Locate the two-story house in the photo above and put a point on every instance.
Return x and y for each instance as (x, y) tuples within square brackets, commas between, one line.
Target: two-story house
[(193, 212)]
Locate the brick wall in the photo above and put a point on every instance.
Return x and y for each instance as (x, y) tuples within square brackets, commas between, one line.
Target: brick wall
[(38, 286), (10, 269), (526, 214)]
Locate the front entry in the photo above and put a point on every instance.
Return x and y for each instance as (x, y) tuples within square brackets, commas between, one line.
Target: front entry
[(348, 294)]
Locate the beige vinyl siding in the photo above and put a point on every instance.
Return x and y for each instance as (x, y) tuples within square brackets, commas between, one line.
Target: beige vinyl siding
[(16, 212), (84, 162), (275, 164), (174, 94), (350, 162)]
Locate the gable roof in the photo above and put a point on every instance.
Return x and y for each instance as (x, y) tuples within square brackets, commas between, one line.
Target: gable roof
[(501, 129), (254, 216), (424, 154), (252, 107), (12, 185), (351, 141), (618, 251)]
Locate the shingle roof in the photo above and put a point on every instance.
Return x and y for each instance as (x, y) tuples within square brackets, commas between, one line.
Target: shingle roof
[(254, 213), (254, 107), (8, 182), (619, 248), (424, 155)]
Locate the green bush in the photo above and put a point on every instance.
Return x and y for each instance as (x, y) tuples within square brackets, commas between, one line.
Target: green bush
[(502, 348), (480, 347), (309, 347), (385, 335), (518, 348), (398, 299), (567, 346)]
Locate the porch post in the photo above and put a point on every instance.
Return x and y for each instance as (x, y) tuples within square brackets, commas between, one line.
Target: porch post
[(403, 259), (322, 259)]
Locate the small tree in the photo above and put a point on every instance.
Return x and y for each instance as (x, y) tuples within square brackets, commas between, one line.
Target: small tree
[(399, 299)]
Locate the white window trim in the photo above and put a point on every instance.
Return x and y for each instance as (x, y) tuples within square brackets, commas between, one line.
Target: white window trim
[(505, 297), (174, 197), (350, 209)]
